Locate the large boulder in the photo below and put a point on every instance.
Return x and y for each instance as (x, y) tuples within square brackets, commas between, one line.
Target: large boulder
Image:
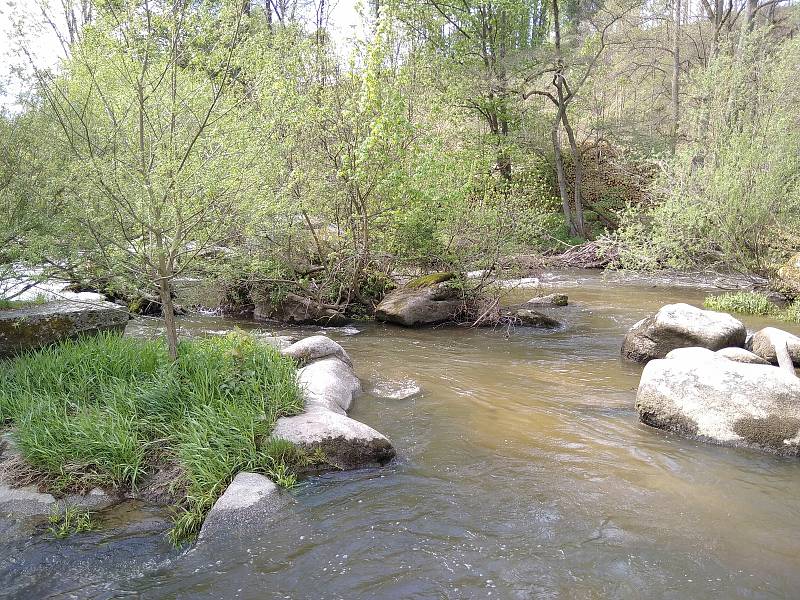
[(37, 326), (423, 301), (344, 442), (764, 342), (741, 355), (681, 325), (703, 395), (249, 501), (299, 310)]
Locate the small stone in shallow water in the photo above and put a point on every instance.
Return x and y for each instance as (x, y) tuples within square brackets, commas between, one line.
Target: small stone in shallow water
[(396, 390)]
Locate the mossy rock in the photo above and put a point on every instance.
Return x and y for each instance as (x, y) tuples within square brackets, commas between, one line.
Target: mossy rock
[(429, 280), (789, 275)]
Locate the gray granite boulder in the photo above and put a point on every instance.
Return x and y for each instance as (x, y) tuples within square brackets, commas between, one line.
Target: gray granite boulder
[(764, 342), (37, 326), (249, 501), (344, 442), (678, 326), (700, 394), (428, 300), (549, 300), (316, 347), (300, 310), (741, 355), (527, 317), (329, 383)]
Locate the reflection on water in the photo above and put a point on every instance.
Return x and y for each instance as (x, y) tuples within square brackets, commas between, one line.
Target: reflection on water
[(523, 472)]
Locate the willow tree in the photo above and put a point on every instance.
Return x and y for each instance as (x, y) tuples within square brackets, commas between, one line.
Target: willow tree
[(158, 138)]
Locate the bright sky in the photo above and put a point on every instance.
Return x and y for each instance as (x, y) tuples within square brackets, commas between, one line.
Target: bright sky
[(26, 15)]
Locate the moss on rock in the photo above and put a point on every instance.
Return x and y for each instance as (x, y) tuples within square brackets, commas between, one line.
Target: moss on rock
[(429, 280)]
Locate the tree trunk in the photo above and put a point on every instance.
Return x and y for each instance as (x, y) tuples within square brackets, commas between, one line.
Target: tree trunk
[(676, 66), (562, 181), (168, 310), (577, 162)]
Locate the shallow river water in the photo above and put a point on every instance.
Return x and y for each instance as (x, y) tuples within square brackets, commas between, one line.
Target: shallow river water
[(522, 473)]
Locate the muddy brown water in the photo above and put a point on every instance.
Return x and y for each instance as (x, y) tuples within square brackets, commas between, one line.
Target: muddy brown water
[(522, 473)]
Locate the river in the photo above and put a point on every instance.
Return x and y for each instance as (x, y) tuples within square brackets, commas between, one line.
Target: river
[(522, 473)]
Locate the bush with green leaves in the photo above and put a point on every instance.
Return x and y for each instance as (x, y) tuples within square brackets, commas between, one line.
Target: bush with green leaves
[(729, 199), (108, 410)]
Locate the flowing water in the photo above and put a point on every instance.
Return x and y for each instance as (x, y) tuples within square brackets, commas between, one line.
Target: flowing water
[(522, 473)]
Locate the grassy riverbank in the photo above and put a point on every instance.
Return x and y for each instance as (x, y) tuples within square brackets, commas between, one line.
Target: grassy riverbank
[(113, 412)]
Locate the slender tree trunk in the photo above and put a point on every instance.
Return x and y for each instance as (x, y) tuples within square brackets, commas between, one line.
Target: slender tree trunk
[(168, 310), (562, 180), (577, 162), (676, 70)]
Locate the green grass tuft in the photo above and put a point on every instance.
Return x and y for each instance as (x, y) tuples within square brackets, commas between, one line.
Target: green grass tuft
[(752, 303), (108, 410), (747, 303)]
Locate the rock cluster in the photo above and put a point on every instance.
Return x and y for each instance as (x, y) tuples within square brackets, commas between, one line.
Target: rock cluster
[(701, 382)]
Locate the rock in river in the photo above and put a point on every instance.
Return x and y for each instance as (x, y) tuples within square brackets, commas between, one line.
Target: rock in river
[(678, 326), (427, 300), (769, 342), (549, 300), (249, 501), (41, 325), (299, 310), (700, 394)]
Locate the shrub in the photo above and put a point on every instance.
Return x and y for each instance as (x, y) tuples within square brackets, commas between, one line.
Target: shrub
[(748, 303), (107, 410)]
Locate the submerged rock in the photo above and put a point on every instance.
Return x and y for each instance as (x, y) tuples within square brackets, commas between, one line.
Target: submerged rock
[(250, 500), (344, 442), (423, 301), (35, 327), (764, 342), (530, 318), (549, 300), (299, 310), (396, 390), (701, 394), (681, 325)]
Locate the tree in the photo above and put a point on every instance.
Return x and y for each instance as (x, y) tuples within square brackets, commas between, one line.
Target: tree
[(161, 150)]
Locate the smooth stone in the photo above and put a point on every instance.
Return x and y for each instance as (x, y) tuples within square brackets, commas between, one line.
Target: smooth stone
[(329, 383), (531, 318), (424, 301), (700, 394), (316, 347), (681, 325), (763, 341), (741, 355), (345, 442), (250, 500)]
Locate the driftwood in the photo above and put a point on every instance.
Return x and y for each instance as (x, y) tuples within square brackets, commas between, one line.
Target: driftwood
[(591, 255)]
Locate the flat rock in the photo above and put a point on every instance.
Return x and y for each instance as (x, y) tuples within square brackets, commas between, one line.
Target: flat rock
[(700, 394), (549, 300), (329, 383), (250, 500), (345, 442), (527, 317), (678, 326), (299, 310), (37, 326), (762, 344)]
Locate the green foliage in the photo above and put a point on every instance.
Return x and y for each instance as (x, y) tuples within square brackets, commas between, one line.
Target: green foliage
[(731, 198), (752, 303), (106, 411), (748, 303), (66, 520)]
